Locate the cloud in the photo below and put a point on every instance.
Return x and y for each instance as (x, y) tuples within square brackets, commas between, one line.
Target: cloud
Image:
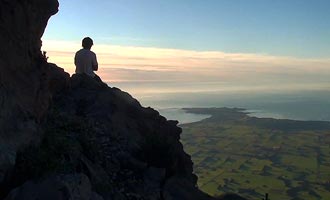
[(215, 69), (123, 38)]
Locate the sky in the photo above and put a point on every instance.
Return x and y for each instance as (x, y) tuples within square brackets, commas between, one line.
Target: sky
[(180, 45)]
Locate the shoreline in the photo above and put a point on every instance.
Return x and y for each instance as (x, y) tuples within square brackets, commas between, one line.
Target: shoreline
[(198, 114)]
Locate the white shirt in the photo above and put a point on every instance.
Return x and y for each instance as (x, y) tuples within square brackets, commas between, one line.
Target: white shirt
[(84, 60)]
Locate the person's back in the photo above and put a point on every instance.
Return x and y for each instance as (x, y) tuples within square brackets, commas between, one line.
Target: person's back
[(85, 60)]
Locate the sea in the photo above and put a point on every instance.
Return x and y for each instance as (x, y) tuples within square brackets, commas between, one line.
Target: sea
[(306, 105)]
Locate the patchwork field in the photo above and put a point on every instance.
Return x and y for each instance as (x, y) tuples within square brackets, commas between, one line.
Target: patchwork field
[(233, 152)]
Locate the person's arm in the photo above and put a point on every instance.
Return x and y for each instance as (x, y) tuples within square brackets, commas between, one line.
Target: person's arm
[(75, 62), (95, 64)]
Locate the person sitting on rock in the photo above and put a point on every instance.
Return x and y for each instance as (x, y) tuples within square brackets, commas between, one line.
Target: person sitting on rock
[(85, 59)]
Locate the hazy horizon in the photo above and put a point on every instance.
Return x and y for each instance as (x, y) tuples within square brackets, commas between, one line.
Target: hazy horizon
[(307, 105), (234, 50)]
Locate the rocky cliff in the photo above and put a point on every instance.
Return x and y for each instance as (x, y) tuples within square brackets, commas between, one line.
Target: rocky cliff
[(65, 137), (24, 96)]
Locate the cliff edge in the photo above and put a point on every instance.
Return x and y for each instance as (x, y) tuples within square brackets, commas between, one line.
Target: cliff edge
[(65, 137)]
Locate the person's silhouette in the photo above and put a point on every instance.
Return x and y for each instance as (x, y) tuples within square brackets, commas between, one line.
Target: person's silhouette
[(85, 59)]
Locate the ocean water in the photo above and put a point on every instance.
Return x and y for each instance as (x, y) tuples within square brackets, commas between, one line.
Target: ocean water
[(181, 115), (297, 105), (300, 105)]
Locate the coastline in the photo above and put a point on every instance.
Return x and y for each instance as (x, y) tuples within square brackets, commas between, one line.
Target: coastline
[(198, 114)]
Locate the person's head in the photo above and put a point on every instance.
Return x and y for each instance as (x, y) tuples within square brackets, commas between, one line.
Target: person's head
[(87, 43)]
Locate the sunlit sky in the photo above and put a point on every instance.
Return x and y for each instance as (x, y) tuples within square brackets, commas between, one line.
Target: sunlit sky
[(226, 43)]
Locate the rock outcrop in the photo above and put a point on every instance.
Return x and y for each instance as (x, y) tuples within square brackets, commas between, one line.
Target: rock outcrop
[(65, 137), (24, 95), (70, 186)]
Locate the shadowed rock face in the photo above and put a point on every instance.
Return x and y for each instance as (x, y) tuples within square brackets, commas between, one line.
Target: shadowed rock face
[(126, 151), (23, 69), (72, 186), (136, 150), (24, 96), (77, 138)]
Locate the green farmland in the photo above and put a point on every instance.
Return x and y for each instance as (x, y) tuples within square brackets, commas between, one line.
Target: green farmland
[(233, 152)]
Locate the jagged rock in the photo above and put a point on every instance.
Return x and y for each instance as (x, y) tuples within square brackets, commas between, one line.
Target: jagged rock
[(153, 180), (7, 159), (24, 95), (129, 162), (94, 171), (129, 136), (58, 79), (178, 188), (64, 187)]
